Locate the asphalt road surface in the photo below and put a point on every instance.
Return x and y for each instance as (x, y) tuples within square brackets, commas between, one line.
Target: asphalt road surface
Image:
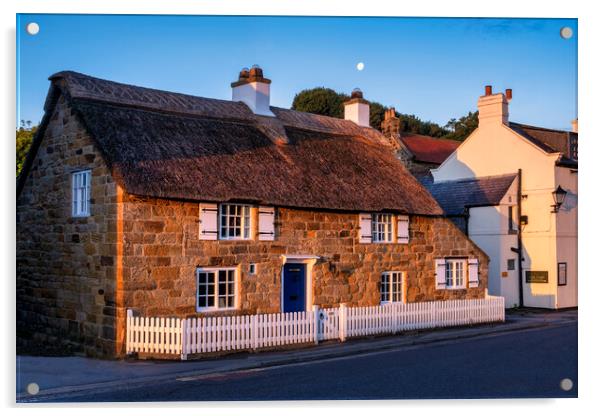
[(528, 363)]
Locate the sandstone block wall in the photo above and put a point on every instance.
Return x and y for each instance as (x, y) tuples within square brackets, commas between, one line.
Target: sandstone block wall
[(66, 266), (162, 252)]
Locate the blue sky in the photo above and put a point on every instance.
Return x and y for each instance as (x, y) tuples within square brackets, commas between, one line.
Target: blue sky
[(434, 68)]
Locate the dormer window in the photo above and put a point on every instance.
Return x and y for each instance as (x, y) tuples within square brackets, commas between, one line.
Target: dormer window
[(235, 222)]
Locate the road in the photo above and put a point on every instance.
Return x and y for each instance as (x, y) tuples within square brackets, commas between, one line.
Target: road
[(529, 363)]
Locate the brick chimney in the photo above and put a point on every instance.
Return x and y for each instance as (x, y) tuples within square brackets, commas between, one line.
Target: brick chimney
[(493, 108), (253, 90), (575, 125), (390, 125), (357, 109)]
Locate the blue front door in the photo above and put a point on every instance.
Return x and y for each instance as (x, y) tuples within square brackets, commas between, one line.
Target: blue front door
[(293, 288)]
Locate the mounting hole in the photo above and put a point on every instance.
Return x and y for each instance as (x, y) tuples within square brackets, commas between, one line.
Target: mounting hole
[(566, 384), (566, 32), (33, 388), (32, 28)]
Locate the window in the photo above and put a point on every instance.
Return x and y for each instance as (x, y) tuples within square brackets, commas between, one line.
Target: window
[(455, 273), (235, 222), (80, 195), (216, 289), (391, 287), (252, 268), (512, 228), (511, 264), (382, 228), (561, 274)]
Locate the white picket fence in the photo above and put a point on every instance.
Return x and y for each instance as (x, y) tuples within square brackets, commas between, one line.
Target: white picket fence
[(174, 336)]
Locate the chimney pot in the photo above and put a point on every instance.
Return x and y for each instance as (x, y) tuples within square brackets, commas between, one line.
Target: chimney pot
[(508, 94), (488, 90), (256, 71), (357, 93), (575, 125)]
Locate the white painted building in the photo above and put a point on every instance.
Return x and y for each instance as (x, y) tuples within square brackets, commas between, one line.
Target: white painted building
[(505, 171)]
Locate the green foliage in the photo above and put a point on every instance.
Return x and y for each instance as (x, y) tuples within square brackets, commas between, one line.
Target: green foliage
[(25, 135), (320, 100), (460, 129), (328, 102)]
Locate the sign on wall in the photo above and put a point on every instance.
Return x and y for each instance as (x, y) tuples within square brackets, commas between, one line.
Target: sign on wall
[(536, 276)]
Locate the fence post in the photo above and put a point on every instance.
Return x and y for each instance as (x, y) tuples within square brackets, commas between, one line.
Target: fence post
[(184, 339), (254, 331), (343, 322), (128, 331), (316, 311)]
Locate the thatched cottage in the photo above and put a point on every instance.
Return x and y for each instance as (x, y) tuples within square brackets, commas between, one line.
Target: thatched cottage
[(175, 205)]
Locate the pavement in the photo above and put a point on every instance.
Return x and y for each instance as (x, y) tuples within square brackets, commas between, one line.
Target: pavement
[(64, 376)]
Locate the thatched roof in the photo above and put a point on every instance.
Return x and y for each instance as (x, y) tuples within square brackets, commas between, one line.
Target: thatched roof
[(169, 145)]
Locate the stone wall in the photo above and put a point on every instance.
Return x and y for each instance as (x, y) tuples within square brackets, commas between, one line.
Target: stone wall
[(416, 168), (66, 266), (162, 251)]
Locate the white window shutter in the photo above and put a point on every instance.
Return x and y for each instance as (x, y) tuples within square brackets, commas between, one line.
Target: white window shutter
[(365, 232), (440, 274), (208, 221), (473, 273), (266, 224), (403, 229)]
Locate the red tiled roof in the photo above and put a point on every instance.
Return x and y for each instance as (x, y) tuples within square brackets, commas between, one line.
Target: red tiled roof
[(429, 149)]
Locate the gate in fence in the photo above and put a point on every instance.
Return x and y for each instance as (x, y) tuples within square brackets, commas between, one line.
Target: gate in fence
[(183, 337)]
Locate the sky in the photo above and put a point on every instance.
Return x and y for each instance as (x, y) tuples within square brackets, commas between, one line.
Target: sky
[(434, 68)]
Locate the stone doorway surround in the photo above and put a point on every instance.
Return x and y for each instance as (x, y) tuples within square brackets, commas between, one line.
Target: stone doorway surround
[(309, 261)]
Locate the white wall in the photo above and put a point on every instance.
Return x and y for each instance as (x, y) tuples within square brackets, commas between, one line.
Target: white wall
[(566, 236), (495, 149), (488, 228)]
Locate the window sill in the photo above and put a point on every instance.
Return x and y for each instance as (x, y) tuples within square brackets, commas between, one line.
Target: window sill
[(214, 309), (455, 288)]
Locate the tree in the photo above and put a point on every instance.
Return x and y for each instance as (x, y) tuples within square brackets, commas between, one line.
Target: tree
[(460, 129), (25, 135), (320, 100), (328, 102)]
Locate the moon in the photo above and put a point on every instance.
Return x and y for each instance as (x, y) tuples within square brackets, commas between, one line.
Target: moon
[(360, 66)]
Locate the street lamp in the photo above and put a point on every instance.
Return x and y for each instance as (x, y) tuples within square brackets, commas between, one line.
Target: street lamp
[(559, 194)]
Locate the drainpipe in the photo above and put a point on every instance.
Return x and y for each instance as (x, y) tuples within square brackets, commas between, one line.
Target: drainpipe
[(519, 197)]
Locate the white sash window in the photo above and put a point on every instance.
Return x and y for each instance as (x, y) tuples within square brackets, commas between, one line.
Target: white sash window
[(216, 289), (391, 287), (382, 228), (455, 273), (235, 222), (80, 193)]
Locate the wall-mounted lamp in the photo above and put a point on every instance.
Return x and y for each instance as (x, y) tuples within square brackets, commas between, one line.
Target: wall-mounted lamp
[(559, 194)]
